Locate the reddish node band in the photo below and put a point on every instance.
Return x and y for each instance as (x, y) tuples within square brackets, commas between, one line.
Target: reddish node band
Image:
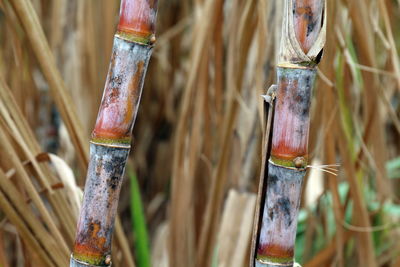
[(138, 17), (274, 252)]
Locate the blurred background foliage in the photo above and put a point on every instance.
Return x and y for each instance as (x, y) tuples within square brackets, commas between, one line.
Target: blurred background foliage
[(194, 168)]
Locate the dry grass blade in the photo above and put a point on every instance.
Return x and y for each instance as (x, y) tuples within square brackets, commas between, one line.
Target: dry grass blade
[(181, 228), (21, 132), (53, 250), (24, 230), (235, 229), (34, 31), (31, 190)]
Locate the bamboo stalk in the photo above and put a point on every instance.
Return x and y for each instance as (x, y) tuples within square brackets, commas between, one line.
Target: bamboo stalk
[(303, 38), (111, 137)]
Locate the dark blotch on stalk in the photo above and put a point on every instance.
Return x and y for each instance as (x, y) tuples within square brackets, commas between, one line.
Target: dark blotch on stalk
[(299, 95), (116, 81), (284, 205), (310, 28), (272, 181), (271, 214), (113, 182), (114, 166)]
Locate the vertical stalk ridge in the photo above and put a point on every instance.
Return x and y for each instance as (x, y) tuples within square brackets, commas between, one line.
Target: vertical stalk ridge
[(112, 134), (286, 158)]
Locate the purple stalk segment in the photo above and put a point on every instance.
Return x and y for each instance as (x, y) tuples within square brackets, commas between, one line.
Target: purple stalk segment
[(111, 137)]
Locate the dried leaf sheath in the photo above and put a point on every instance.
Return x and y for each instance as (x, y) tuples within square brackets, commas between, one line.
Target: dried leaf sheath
[(111, 137), (291, 50), (302, 43)]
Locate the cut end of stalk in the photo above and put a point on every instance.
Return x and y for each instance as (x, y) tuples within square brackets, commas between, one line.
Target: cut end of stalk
[(137, 20)]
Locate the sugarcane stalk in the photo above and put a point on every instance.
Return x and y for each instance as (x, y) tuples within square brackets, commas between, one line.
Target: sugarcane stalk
[(111, 138), (286, 157)]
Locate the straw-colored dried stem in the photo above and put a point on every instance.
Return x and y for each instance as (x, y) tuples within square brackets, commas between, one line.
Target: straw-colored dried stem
[(34, 31)]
